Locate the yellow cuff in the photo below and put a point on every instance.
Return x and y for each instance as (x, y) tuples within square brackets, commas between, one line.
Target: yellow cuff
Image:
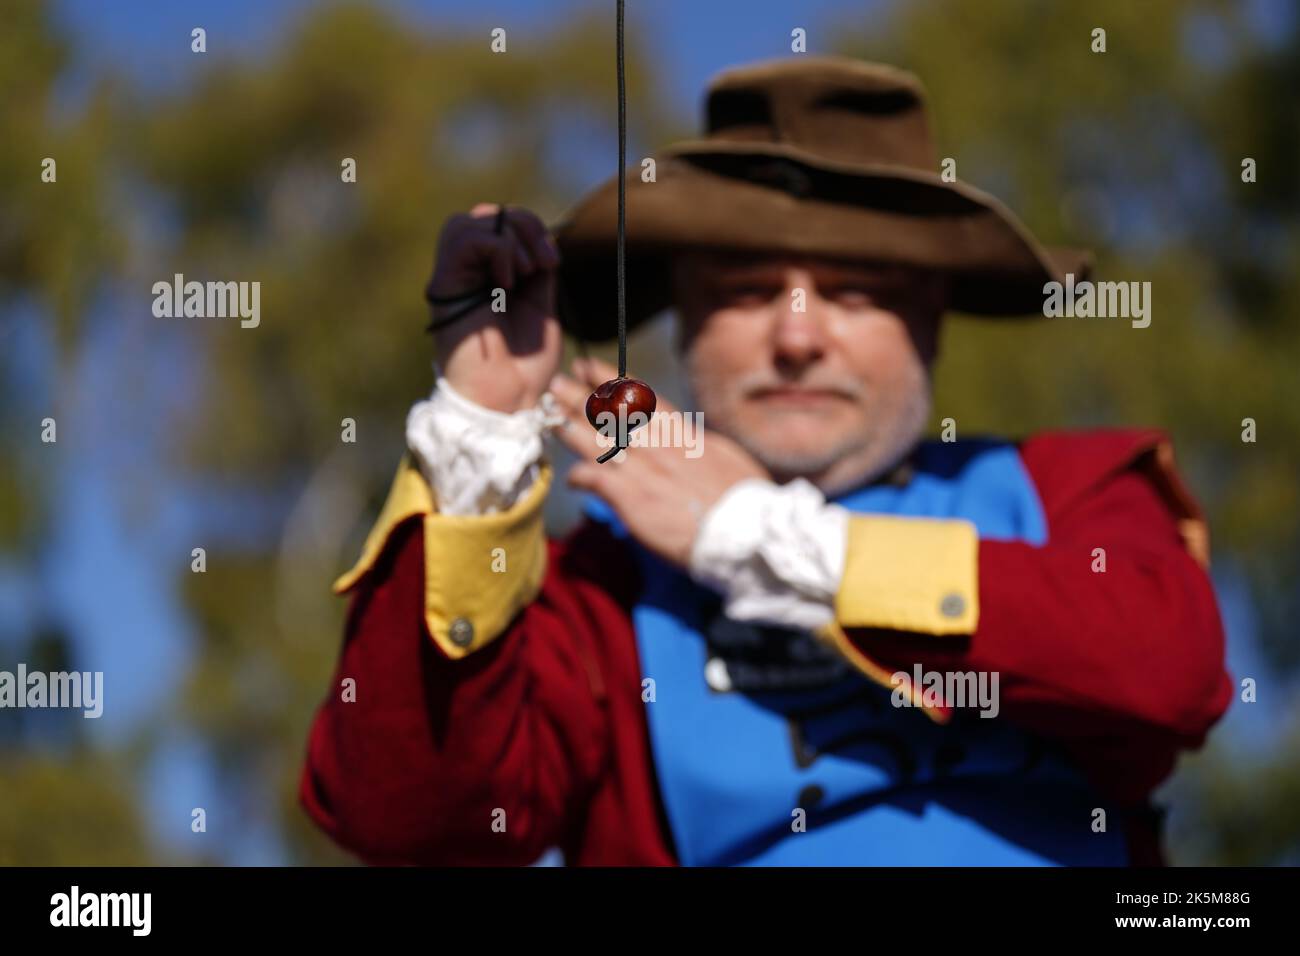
[(910, 574), (479, 570), (409, 495)]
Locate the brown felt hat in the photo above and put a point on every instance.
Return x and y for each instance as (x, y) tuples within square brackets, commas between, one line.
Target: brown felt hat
[(817, 155)]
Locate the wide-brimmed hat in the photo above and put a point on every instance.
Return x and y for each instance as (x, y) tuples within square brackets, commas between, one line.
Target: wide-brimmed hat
[(824, 156)]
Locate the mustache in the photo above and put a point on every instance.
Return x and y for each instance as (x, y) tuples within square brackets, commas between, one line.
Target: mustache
[(758, 382)]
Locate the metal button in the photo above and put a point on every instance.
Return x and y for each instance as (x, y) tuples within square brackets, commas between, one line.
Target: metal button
[(462, 632), (716, 675), (952, 605), (810, 796)]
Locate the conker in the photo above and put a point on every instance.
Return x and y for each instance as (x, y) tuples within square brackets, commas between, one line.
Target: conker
[(625, 403)]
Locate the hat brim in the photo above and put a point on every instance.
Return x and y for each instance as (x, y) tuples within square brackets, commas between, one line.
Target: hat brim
[(705, 196)]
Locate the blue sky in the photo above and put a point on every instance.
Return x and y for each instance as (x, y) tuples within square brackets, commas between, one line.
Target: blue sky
[(151, 38)]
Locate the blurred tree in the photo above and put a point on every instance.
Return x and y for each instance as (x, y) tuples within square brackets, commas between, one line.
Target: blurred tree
[(55, 242), (62, 801), (70, 809)]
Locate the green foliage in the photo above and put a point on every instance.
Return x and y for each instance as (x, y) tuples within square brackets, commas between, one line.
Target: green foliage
[(70, 809)]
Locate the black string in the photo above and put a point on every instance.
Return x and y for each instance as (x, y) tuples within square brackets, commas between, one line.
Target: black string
[(622, 225), (622, 199)]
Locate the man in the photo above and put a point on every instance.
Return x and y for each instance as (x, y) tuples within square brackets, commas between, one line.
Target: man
[(822, 640)]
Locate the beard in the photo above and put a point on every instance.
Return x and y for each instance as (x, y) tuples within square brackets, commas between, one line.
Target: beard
[(887, 424), (885, 439)]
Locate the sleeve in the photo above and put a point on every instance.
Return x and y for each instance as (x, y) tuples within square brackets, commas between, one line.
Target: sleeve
[(1108, 638), (774, 552), (464, 723), (476, 460)]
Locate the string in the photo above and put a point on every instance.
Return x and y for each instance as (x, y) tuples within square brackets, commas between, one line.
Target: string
[(622, 225), (622, 199)]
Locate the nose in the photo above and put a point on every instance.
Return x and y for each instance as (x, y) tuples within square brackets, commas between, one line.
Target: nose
[(799, 336)]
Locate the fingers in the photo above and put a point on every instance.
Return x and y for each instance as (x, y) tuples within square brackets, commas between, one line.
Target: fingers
[(499, 253), (464, 254), (509, 256), (524, 264), (593, 371), (503, 260), (577, 433), (589, 476), (470, 245), (534, 246), (541, 246)]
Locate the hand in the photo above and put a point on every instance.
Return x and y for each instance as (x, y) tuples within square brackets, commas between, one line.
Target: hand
[(501, 360), (659, 494)]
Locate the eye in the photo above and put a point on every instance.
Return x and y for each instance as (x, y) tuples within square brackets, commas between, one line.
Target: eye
[(854, 293), (886, 292), (748, 293)]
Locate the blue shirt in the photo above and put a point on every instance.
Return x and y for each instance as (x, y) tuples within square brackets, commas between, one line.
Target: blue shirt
[(803, 761)]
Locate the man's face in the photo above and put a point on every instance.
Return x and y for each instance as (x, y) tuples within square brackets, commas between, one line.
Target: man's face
[(819, 368)]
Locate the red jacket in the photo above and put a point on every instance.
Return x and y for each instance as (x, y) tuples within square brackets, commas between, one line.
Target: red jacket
[(547, 721)]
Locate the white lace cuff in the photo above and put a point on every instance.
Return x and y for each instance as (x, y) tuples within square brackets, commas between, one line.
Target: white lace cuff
[(775, 552), (476, 460)]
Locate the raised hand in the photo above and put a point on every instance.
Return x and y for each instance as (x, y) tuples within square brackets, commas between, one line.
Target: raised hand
[(501, 360)]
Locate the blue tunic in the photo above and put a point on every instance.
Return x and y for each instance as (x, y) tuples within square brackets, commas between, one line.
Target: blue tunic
[(785, 755)]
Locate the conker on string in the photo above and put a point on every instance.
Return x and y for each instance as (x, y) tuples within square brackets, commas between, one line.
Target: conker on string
[(620, 406)]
